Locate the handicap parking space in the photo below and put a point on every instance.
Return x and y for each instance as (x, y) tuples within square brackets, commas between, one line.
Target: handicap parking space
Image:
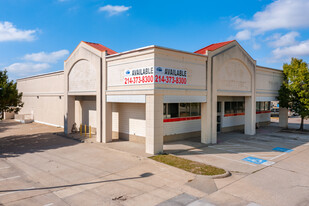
[(243, 153)]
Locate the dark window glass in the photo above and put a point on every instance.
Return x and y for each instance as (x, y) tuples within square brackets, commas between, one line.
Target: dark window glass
[(184, 109), (234, 107), (257, 106), (241, 108), (165, 110), (195, 109), (227, 107), (262, 106), (218, 107), (173, 110), (266, 106)]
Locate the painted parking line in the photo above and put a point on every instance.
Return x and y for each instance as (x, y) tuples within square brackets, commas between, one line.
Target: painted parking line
[(278, 156), (233, 151), (9, 178), (7, 193), (49, 204), (233, 160), (281, 149)]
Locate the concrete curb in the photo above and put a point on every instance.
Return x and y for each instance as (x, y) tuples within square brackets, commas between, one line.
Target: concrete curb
[(69, 137), (226, 174), (295, 131)]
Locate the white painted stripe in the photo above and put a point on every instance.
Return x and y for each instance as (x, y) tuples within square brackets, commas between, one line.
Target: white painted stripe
[(48, 124), (2, 168), (278, 156), (7, 193), (9, 178), (233, 160), (49, 204), (237, 152)]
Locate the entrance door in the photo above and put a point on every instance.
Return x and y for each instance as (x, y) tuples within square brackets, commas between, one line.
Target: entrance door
[(218, 116)]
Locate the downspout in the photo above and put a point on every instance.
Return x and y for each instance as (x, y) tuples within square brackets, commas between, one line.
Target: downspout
[(101, 59)]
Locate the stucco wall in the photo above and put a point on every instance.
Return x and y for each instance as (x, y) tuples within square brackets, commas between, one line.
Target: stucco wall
[(82, 77), (153, 57), (264, 117), (172, 128), (129, 118), (116, 67), (43, 96), (268, 82), (89, 113), (195, 66)]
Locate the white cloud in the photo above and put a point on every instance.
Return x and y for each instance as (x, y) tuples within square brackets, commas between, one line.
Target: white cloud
[(243, 35), (280, 14), (26, 69), (285, 40), (113, 10), (52, 57), (8, 32), (298, 50)]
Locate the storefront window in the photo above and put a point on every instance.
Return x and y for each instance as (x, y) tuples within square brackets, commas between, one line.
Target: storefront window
[(164, 110), (234, 107), (262, 106), (257, 106), (218, 107), (240, 107), (173, 110), (184, 109), (227, 107), (195, 109), (267, 106)]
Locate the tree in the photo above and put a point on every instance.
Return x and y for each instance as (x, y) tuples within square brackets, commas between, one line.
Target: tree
[(10, 99), (294, 91)]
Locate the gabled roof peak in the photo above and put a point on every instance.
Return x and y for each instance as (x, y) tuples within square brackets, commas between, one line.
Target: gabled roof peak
[(213, 47), (100, 47)]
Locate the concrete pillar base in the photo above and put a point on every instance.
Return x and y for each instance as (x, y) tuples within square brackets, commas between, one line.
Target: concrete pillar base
[(283, 117), (205, 128), (250, 116), (154, 124)]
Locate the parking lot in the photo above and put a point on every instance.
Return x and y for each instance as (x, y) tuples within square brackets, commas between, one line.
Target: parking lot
[(38, 167), (243, 153)]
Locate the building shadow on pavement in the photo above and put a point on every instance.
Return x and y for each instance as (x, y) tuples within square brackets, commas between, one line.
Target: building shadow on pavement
[(5, 125), (15, 145)]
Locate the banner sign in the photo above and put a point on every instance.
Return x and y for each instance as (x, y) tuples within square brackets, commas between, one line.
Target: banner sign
[(159, 75)]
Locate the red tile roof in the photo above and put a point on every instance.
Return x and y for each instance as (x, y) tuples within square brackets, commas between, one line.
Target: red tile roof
[(212, 47), (101, 47)]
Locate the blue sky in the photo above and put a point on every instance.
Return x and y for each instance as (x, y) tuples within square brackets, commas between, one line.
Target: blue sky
[(37, 36)]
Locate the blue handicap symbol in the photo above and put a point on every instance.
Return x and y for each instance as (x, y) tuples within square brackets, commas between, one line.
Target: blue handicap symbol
[(254, 160), (281, 149)]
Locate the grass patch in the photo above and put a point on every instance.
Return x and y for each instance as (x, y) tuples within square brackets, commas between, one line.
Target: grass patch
[(188, 165)]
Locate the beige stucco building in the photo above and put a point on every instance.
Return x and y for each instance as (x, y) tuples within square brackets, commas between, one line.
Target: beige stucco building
[(155, 94)]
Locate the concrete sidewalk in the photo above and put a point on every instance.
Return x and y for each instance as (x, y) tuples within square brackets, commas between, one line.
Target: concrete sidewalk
[(40, 168)]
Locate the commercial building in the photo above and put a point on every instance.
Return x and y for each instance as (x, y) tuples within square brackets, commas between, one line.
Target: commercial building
[(155, 94)]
